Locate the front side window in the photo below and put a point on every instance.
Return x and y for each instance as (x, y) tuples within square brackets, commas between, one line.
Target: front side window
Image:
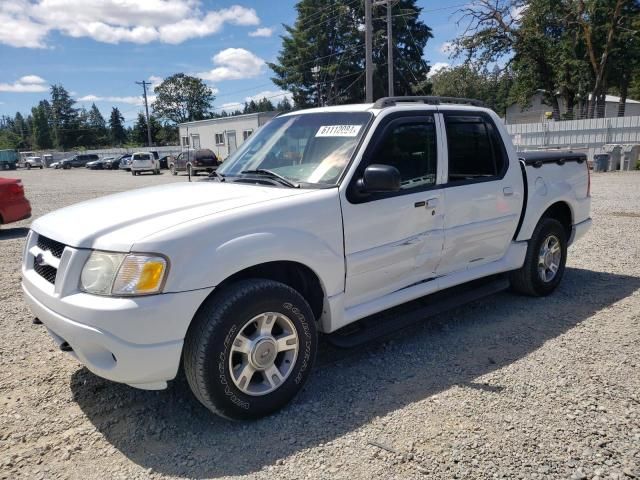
[(310, 148), (473, 150), (411, 148)]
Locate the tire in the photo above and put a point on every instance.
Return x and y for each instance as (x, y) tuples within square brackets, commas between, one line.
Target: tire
[(41, 167), (133, 173), (28, 166), (529, 279), (210, 348), (172, 169)]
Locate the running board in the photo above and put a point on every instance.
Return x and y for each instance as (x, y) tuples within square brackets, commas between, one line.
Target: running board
[(394, 319)]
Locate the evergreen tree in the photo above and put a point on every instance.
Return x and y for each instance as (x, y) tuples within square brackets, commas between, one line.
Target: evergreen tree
[(284, 105), (98, 126), (139, 132), (322, 61), (64, 118), (41, 128), (116, 128)]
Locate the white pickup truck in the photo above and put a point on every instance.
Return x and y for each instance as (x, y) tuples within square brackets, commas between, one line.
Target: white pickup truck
[(323, 219)]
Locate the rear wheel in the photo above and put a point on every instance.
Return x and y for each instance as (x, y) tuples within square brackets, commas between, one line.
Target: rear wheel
[(545, 261), (250, 349)]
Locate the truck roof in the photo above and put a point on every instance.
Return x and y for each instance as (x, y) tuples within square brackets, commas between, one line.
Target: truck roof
[(401, 103)]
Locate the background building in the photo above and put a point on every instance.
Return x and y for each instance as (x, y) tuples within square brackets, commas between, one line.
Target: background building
[(538, 111), (222, 135)]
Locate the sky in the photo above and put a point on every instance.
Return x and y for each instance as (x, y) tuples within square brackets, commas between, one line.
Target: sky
[(98, 49)]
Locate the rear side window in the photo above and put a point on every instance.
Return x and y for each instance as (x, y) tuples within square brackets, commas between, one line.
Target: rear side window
[(474, 149)]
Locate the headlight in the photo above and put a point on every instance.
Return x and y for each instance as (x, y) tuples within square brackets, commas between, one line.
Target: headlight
[(123, 274)]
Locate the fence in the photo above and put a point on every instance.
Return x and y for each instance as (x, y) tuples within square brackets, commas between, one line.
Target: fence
[(590, 134)]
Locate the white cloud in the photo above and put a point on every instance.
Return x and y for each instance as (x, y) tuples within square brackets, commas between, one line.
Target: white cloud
[(26, 84), (517, 12), (18, 28), (131, 100), (262, 32), (233, 64), (26, 23), (446, 48), (437, 67), (155, 81)]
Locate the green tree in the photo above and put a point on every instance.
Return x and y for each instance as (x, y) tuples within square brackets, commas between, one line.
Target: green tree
[(321, 60), (98, 126), (468, 81), (139, 132), (41, 129), (284, 105), (64, 118), (563, 48), (181, 98), (116, 127)]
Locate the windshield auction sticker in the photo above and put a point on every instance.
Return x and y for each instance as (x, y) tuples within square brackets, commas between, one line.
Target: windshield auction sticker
[(338, 131)]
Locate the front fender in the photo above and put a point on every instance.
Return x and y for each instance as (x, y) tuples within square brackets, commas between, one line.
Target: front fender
[(210, 267)]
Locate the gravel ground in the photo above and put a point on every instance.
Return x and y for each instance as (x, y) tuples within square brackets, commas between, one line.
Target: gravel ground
[(507, 387)]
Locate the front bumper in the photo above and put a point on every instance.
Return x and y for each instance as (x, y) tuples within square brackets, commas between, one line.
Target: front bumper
[(135, 340)]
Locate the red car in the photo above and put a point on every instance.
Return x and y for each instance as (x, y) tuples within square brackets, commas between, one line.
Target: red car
[(13, 204)]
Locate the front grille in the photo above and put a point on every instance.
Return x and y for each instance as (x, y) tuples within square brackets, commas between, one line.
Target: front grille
[(45, 271), (56, 248)]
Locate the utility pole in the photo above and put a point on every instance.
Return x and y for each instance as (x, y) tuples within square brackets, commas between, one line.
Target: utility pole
[(389, 4), (368, 40), (146, 108)]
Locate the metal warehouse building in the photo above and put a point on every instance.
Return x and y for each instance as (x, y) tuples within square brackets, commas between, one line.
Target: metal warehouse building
[(222, 135)]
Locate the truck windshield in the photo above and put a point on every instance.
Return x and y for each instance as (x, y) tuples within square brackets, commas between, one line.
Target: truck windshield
[(311, 148)]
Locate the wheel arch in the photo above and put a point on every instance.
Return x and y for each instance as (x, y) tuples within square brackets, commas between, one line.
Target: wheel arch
[(561, 211), (296, 275)]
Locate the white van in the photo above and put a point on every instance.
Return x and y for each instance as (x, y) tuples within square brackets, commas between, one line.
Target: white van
[(144, 162)]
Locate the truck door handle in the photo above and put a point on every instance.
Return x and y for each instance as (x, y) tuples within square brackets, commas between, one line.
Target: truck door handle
[(431, 203), (507, 191)]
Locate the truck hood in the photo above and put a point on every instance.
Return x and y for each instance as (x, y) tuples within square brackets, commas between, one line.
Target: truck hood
[(116, 222)]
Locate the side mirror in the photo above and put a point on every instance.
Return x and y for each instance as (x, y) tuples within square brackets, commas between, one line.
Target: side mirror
[(379, 178)]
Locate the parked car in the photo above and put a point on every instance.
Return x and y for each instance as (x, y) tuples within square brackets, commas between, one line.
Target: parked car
[(144, 162), (56, 165), (125, 163), (33, 162), (8, 159), (94, 165), (78, 161), (194, 161), (13, 204), (113, 163), (323, 218)]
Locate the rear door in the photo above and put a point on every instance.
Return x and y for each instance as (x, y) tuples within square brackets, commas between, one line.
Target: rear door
[(393, 240), (483, 199)]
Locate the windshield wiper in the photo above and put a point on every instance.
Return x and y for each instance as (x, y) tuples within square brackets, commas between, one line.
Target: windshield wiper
[(274, 175)]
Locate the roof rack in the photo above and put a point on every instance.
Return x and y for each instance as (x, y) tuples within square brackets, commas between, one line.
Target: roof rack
[(428, 100)]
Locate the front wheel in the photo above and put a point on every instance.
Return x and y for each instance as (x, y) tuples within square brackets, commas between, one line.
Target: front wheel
[(250, 349), (545, 261)]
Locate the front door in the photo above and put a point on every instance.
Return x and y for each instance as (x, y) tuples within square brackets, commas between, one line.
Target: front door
[(393, 240), (482, 193)]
